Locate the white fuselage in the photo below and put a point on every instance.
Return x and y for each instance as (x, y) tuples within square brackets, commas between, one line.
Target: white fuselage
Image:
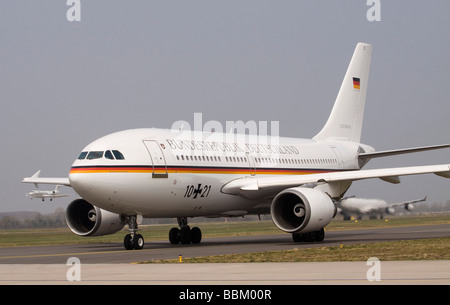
[(164, 173)]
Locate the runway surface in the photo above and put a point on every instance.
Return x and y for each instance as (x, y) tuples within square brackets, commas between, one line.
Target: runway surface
[(114, 253), (255, 274), (111, 264)]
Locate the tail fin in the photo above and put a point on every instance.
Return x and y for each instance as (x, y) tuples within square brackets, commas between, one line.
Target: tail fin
[(346, 118)]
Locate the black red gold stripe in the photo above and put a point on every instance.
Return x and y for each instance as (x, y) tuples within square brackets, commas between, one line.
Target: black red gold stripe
[(356, 83), (196, 170)]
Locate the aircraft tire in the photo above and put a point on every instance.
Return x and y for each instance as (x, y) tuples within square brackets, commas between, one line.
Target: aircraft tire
[(138, 241), (315, 236), (128, 242), (196, 235), (185, 235), (320, 235), (297, 237), (174, 236)]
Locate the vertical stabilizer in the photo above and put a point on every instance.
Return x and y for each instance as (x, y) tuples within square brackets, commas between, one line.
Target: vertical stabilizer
[(346, 118)]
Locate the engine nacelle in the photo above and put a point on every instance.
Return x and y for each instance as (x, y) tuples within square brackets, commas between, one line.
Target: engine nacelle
[(409, 207), (302, 210), (390, 211), (84, 219)]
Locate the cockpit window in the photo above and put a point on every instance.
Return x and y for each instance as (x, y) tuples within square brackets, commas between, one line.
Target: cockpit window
[(109, 155), (95, 155), (118, 155), (83, 155)]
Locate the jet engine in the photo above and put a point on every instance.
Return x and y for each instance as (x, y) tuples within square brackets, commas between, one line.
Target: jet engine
[(85, 219), (390, 211), (302, 210), (409, 207)]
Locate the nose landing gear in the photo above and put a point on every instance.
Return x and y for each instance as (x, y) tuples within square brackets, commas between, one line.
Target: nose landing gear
[(133, 240)]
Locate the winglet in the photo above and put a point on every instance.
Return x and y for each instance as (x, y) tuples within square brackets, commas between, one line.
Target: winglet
[(36, 175)]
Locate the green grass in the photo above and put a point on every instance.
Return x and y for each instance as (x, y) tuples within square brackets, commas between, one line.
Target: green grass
[(422, 249)]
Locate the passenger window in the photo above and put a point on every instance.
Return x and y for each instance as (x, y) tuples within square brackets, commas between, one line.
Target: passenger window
[(109, 155), (95, 155), (83, 155), (118, 155)]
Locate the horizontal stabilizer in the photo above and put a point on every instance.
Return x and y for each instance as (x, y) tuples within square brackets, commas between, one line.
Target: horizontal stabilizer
[(37, 180), (378, 154)]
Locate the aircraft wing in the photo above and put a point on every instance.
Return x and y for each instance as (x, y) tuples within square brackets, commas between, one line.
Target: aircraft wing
[(55, 195), (37, 180), (406, 202), (265, 186)]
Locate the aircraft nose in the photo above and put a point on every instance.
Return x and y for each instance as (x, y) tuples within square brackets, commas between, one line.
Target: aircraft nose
[(80, 182)]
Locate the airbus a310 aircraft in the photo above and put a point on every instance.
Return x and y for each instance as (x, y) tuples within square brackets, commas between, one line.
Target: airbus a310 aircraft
[(372, 207), (156, 173)]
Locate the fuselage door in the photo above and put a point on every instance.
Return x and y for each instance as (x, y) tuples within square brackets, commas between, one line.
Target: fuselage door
[(339, 158), (158, 159), (251, 163)]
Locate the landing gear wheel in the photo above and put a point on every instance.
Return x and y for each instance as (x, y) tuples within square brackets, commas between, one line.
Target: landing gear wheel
[(128, 242), (320, 235), (314, 236), (309, 237), (174, 236), (196, 235), (133, 241), (138, 241), (185, 235), (297, 237)]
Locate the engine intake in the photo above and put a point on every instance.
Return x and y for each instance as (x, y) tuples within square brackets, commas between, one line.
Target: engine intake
[(84, 219), (302, 210)]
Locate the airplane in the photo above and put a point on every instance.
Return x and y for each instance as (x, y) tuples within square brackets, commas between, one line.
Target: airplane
[(372, 207), (45, 194), (129, 175)]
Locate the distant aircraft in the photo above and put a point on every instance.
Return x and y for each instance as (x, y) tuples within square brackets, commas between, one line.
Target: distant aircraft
[(45, 194), (373, 207), (159, 173)]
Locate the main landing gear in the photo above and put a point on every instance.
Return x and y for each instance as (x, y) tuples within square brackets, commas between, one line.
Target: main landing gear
[(315, 236), (184, 234), (133, 240)]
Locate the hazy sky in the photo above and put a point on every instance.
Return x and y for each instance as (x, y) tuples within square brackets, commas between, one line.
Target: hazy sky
[(131, 64)]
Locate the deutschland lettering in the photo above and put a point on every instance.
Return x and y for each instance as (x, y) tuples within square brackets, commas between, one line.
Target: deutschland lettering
[(230, 147)]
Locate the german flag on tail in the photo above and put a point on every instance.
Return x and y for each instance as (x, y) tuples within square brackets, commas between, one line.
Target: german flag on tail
[(356, 83)]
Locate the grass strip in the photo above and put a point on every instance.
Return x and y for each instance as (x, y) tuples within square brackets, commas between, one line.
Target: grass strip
[(421, 249)]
